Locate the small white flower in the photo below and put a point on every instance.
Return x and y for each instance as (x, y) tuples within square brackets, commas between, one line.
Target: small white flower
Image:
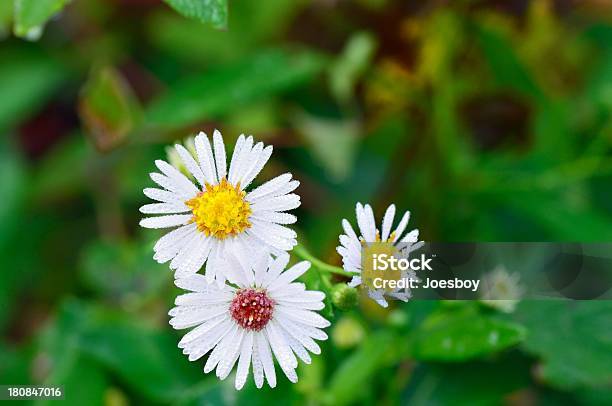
[(352, 246), (266, 316), (502, 290), (218, 217)]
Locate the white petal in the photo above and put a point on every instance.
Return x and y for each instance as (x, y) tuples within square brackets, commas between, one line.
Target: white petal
[(244, 361), (203, 329), (274, 217), (164, 208), (234, 161), (304, 329), (295, 345), (387, 222), (275, 229), (294, 288), (356, 281), (221, 349), (205, 158), (263, 158), (269, 187), (200, 346), (235, 271), (194, 283), (231, 356), (265, 355), (172, 186), (401, 227), (304, 316), (264, 235), (187, 250), (303, 305), (195, 261), (258, 369), (278, 203), (290, 275), (305, 297), (248, 163), (189, 316), (349, 230), (260, 267), (177, 177), (282, 351), (298, 332), (210, 297), (365, 225), (166, 221), (220, 157), (412, 236), (161, 195), (191, 164), (378, 297), (174, 237), (238, 164), (275, 269), (213, 258), (281, 191)]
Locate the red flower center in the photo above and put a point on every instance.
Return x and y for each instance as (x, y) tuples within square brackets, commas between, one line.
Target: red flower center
[(252, 309)]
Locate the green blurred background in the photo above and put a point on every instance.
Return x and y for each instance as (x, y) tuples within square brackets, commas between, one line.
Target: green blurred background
[(489, 120)]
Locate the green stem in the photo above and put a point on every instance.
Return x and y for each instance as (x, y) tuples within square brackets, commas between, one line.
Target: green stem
[(303, 253)]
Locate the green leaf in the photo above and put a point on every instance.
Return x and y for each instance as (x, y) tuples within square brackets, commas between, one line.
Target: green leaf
[(13, 180), (356, 371), (123, 271), (505, 65), (27, 79), (6, 18), (224, 90), (573, 339), (212, 12), (83, 380), (351, 64), (472, 383), (15, 363), (31, 16), (565, 223), (146, 359), (108, 108), (333, 142), (595, 397), (253, 23), (459, 334), (62, 172)]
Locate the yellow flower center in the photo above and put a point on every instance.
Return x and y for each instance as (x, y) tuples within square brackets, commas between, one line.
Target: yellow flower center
[(221, 211)]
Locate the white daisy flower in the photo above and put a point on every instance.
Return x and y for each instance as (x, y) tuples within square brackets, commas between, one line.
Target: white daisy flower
[(352, 246), (266, 316), (502, 290), (217, 216)]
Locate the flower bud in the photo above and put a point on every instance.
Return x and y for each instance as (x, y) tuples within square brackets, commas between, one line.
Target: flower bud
[(502, 290), (344, 297), (347, 333)]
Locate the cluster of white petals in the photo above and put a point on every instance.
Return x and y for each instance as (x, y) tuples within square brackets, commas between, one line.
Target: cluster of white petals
[(188, 248), (226, 328), (245, 309), (352, 245)]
